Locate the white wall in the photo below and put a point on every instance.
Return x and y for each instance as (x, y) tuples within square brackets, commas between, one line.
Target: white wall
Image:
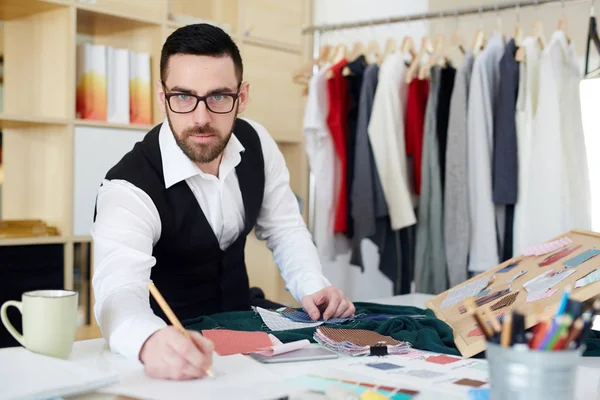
[(372, 283)]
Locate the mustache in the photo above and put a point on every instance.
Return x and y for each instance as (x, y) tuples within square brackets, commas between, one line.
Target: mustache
[(198, 130)]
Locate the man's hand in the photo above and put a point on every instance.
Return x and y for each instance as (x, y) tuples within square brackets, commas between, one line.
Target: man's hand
[(329, 302), (168, 354)]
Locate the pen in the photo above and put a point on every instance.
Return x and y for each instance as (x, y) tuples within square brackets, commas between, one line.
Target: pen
[(487, 331), (171, 315), (563, 302), (505, 337), (519, 339), (574, 333)]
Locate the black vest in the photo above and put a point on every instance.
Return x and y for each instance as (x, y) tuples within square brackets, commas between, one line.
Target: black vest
[(192, 272)]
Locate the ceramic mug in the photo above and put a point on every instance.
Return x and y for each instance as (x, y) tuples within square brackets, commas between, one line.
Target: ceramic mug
[(49, 321)]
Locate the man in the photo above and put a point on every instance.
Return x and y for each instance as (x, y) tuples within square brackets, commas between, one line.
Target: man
[(178, 207)]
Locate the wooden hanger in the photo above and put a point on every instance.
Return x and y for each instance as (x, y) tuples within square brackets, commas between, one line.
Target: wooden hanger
[(413, 69), (538, 33), (478, 41), (408, 45), (390, 47), (439, 54), (459, 41), (339, 53), (358, 48)]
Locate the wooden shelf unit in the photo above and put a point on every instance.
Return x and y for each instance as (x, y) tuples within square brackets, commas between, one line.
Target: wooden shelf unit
[(38, 119)]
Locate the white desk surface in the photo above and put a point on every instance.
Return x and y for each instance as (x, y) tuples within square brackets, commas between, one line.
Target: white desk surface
[(95, 353)]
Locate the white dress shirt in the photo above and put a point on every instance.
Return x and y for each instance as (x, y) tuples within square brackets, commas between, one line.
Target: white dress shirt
[(483, 253), (128, 226), (386, 135), (324, 164)]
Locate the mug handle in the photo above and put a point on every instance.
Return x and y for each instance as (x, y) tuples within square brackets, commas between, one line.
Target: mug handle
[(11, 329)]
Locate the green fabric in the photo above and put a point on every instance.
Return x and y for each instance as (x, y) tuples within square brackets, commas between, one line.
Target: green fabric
[(427, 333)]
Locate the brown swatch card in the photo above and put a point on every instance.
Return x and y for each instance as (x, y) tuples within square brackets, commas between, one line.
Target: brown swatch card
[(359, 337), (470, 382)]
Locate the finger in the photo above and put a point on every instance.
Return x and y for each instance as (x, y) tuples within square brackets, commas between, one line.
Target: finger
[(344, 305), (350, 311), (334, 303), (187, 349), (205, 346), (174, 364), (310, 307)]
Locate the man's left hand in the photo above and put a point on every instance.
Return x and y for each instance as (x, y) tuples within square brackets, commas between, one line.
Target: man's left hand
[(329, 302)]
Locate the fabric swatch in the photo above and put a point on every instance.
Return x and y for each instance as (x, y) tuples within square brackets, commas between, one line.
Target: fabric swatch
[(516, 276), (508, 268), (384, 366), (479, 394), (592, 277), (229, 342), (483, 292), (551, 259), (424, 373), (480, 301), (535, 296), (442, 359), (470, 382), (460, 293), (302, 316), (545, 248), (581, 258), (505, 301), (277, 322), (358, 342), (477, 331)]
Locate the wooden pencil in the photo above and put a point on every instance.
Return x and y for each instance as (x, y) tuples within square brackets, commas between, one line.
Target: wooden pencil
[(487, 331), (506, 335), (170, 315)]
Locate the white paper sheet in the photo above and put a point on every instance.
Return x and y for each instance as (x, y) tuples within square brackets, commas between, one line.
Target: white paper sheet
[(284, 348), (26, 375), (459, 294), (236, 377), (589, 278)]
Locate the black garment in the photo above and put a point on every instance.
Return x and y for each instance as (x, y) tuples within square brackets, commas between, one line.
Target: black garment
[(354, 80), (442, 116), (194, 275), (505, 173)]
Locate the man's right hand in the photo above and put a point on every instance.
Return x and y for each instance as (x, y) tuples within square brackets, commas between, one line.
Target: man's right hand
[(168, 354)]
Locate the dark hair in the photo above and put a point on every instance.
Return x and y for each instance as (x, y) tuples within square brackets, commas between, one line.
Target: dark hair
[(200, 40)]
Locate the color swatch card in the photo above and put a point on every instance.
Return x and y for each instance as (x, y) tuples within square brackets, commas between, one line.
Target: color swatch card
[(459, 294), (359, 342), (229, 342), (545, 248)]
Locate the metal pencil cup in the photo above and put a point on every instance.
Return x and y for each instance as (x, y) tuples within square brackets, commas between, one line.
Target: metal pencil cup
[(532, 374)]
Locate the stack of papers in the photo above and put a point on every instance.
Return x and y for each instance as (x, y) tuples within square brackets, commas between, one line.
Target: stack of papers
[(358, 342)]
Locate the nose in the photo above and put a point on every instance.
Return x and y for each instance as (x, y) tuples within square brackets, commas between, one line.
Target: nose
[(201, 115)]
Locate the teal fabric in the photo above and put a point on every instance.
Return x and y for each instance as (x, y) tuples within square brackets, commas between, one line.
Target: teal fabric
[(427, 333)]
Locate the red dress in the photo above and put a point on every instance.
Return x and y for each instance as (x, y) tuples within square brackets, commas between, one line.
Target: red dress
[(337, 91), (416, 102)]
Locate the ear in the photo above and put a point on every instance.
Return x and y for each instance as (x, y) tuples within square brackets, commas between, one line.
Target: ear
[(160, 94), (243, 97)]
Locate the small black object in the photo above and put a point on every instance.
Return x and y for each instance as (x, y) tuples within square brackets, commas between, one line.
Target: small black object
[(379, 351), (518, 335), (574, 308)]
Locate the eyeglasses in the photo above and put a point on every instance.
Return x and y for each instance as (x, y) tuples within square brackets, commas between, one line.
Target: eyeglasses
[(218, 103)]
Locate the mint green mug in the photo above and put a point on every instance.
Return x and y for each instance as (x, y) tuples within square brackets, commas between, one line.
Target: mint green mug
[(49, 321)]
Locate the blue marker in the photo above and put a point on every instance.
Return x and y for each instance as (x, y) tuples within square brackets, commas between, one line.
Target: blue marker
[(563, 302)]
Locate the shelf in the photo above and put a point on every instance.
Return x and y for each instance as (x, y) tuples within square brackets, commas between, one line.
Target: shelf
[(273, 44), (33, 240), (8, 121), (222, 13), (102, 124), (13, 9), (120, 12)]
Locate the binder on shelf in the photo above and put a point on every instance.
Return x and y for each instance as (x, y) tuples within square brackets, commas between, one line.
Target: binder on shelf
[(91, 82), (117, 85), (140, 88)]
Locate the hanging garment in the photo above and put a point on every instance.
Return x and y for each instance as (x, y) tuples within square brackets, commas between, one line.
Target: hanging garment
[(527, 101), (386, 134), (354, 83), (337, 120), (456, 193), (483, 250), (324, 164), (505, 176), (430, 258), (443, 112), (366, 186), (416, 102), (558, 198)]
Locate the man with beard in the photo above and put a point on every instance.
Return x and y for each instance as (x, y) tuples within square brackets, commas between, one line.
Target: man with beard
[(177, 208)]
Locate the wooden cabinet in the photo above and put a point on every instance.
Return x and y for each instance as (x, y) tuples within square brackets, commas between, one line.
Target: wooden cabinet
[(143, 10), (274, 20), (275, 101)]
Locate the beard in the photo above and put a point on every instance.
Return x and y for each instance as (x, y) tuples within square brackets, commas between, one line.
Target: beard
[(202, 153)]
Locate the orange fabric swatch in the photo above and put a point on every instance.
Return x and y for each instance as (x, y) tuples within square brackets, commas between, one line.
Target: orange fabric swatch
[(442, 359), (229, 342)]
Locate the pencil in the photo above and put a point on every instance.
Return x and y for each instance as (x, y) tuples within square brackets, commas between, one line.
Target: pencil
[(170, 315), (487, 331), (506, 330)]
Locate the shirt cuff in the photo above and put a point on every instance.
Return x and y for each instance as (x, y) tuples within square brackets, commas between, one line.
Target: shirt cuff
[(131, 335), (310, 285)]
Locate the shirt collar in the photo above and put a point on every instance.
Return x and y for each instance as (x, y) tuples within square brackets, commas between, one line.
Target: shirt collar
[(178, 167)]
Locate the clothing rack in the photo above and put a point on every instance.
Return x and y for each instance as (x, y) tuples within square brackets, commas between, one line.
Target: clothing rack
[(457, 12), (317, 30)]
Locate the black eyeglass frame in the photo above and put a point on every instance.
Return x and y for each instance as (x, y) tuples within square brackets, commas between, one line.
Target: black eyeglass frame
[(235, 97)]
